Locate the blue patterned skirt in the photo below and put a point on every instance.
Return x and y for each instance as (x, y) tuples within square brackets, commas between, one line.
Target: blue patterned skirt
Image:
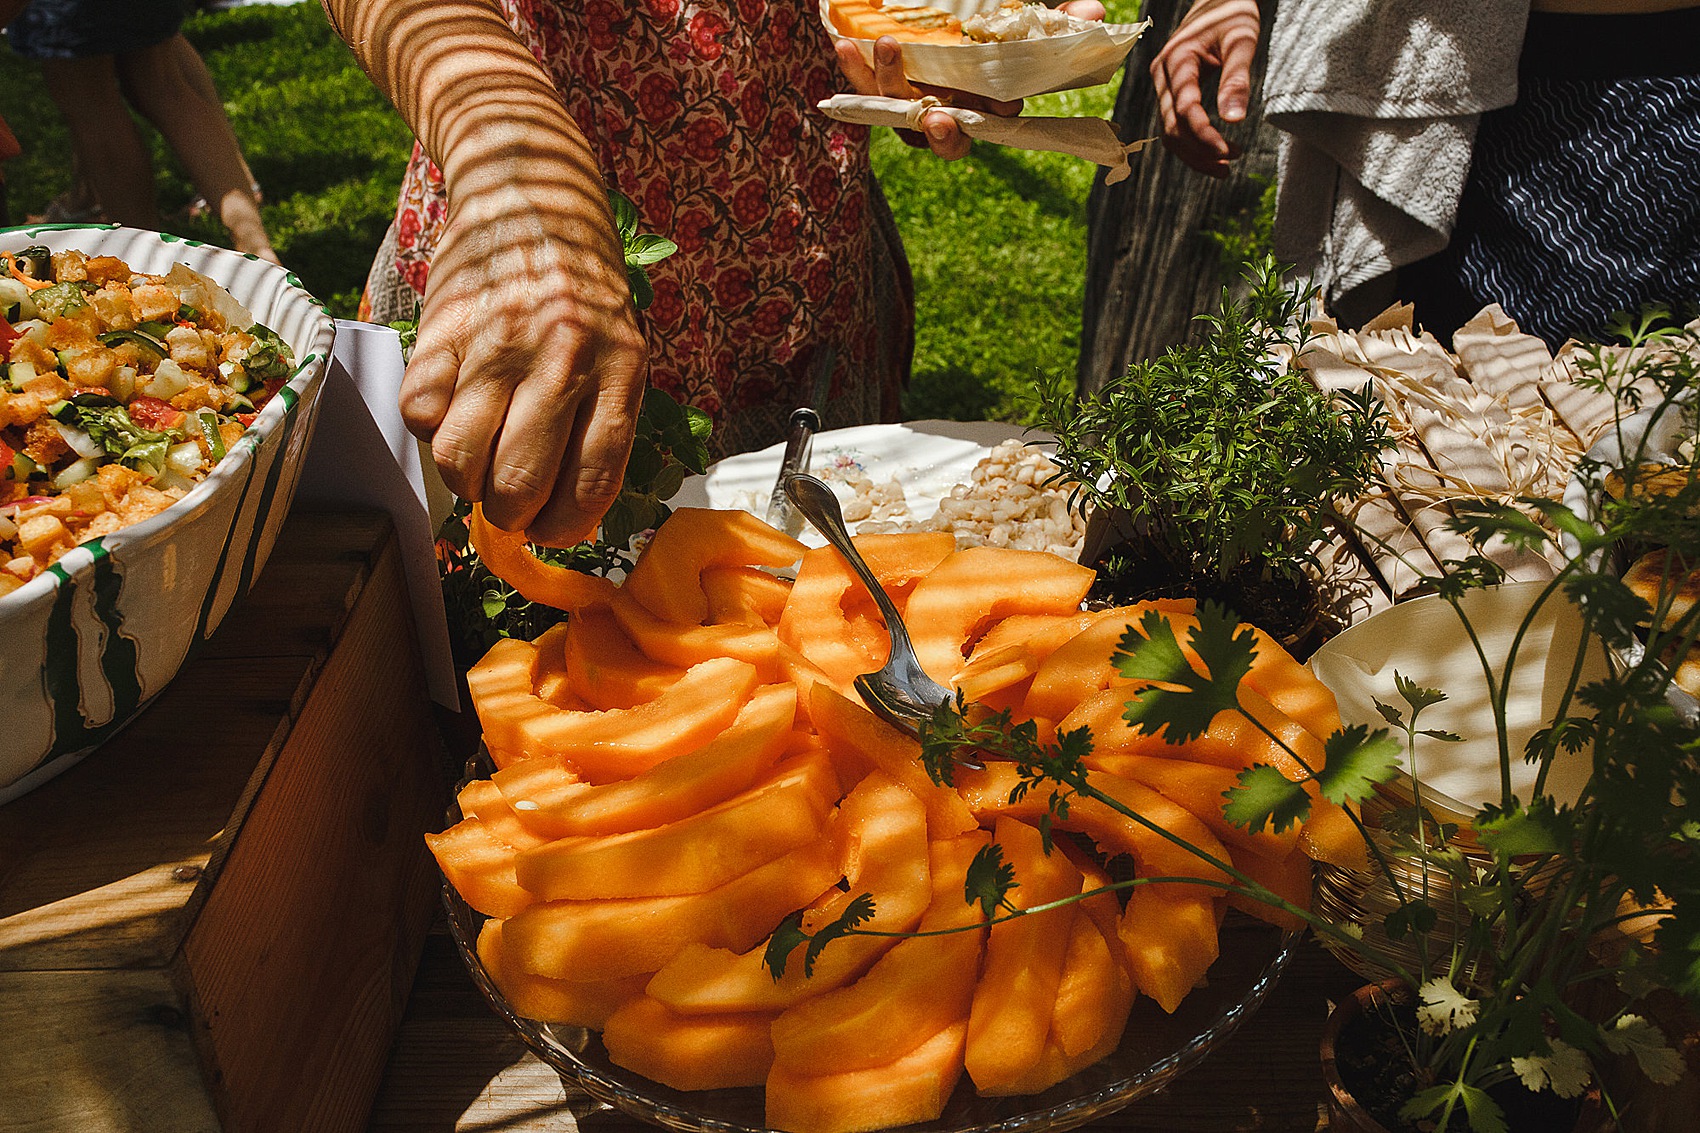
[(79, 29), (1583, 197)]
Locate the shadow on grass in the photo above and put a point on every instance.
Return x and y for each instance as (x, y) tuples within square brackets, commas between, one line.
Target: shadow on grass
[(950, 394), (1049, 197)]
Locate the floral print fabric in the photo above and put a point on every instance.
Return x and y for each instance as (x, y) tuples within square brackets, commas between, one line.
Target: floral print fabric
[(702, 112)]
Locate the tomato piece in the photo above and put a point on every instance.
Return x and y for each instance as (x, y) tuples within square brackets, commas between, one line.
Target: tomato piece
[(8, 335), (246, 418), (7, 455), (152, 413)]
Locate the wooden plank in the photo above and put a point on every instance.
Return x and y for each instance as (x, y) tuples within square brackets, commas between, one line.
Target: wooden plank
[(301, 959), (93, 1052)]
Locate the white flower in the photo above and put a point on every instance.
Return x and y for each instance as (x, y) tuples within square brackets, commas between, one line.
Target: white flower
[(1443, 1008), (1565, 1070), (1635, 1035)]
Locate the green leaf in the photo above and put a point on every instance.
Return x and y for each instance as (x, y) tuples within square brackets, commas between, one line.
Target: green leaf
[(1415, 916), (1151, 653), (1391, 714), (1513, 831), (1441, 735), (625, 215), (649, 249), (989, 880), (782, 943), (1415, 695), (1355, 760), (859, 910), (1265, 796), (1483, 1112)]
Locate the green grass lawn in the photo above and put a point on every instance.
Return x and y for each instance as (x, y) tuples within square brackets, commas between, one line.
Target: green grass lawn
[(997, 241)]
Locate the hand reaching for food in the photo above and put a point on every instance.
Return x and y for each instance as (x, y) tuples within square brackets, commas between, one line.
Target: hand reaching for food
[(939, 132), (1219, 34), (529, 366)]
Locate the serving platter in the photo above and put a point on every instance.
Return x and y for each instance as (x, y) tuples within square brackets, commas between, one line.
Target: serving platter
[(1155, 1049), (927, 457)]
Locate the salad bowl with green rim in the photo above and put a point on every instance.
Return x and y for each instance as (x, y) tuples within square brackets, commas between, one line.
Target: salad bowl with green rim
[(85, 645)]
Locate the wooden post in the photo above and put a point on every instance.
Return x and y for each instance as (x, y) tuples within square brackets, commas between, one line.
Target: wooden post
[(1149, 265)]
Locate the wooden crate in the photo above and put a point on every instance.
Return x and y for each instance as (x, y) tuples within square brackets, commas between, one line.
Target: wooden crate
[(212, 923)]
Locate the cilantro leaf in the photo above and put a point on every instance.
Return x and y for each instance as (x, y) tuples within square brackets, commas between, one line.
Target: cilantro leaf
[(1355, 760), (782, 943), (1513, 831), (1151, 653), (989, 880), (1265, 796), (858, 911)]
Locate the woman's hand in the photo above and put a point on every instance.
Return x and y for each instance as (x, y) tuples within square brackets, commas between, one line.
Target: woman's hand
[(1214, 33), (529, 366), (939, 131)]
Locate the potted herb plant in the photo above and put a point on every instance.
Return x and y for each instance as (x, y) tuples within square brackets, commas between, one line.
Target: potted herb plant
[(1209, 470), (1520, 980)]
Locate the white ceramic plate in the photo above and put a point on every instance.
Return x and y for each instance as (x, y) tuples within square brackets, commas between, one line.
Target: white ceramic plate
[(85, 645), (927, 457)]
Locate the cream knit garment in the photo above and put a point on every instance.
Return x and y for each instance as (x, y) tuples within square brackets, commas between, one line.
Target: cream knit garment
[(1379, 102)]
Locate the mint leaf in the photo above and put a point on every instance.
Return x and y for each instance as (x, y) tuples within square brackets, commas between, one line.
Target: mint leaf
[(1355, 760), (649, 249), (625, 215), (1265, 797)]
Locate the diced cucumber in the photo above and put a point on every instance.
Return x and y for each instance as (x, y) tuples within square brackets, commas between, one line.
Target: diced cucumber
[(208, 421), (75, 473), (23, 467), (18, 373), (141, 339)]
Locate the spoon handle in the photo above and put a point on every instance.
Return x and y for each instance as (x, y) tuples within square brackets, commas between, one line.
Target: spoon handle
[(816, 501)]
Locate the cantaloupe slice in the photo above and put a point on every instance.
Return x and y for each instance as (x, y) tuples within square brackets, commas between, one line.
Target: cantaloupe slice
[(743, 595), (1094, 997), (618, 743), (481, 799), (694, 854), (671, 790), (863, 19), (976, 586), (506, 555), (605, 670), (604, 940), (1169, 938), (689, 1052), (1329, 835), (911, 1088), (480, 868), (554, 1001), (829, 617), (1017, 990), (921, 985), (675, 644), (987, 793), (850, 728), (1290, 877), (667, 578), (882, 828), (1200, 788)]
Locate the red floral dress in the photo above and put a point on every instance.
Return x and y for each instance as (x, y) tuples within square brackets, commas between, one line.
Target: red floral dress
[(702, 112)]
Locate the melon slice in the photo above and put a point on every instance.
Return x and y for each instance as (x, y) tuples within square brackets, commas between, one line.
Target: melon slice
[(976, 586), (857, 732), (1169, 938), (480, 867), (920, 986), (913, 1087), (883, 831), (506, 555), (744, 595), (549, 1000), (681, 645), (689, 1052), (605, 670), (696, 853), (667, 578), (671, 790), (1017, 991)]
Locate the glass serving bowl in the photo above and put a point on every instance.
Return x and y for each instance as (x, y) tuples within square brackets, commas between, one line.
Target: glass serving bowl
[(1155, 1049)]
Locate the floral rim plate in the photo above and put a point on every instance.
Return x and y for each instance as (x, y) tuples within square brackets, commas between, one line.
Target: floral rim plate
[(1156, 1049)]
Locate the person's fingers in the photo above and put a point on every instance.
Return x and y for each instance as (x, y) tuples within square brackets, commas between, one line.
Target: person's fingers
[(1083, 9), (428, 385), (594, 466), (1233, 91), (854, 68), (529, 453), (888, 69), (1188, 132), (945, 136)]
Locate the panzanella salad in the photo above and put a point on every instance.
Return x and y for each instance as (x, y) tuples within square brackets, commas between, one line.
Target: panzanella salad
[(118, 392)]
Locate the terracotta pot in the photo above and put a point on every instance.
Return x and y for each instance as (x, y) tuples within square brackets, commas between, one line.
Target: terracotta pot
[(1345, 1115)]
